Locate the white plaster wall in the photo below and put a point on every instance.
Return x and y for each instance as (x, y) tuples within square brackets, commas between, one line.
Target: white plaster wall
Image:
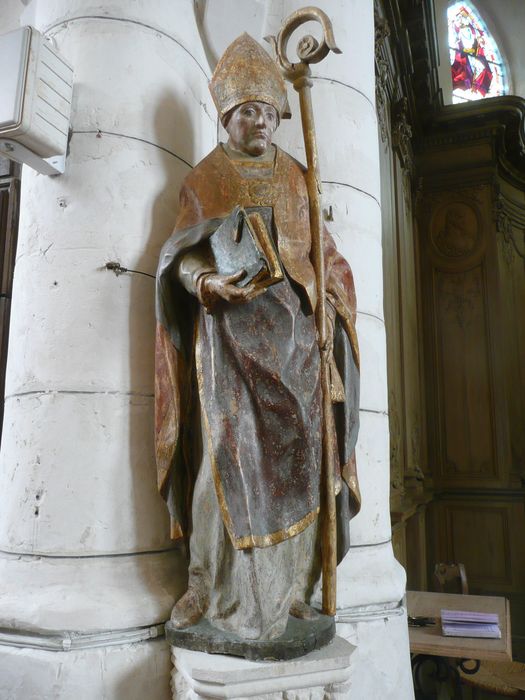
[(10, 13), (380, 666), (83, 532), (81, 339), (129, 671)]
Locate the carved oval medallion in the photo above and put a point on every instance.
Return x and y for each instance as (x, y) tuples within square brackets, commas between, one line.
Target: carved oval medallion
[(455, 230)]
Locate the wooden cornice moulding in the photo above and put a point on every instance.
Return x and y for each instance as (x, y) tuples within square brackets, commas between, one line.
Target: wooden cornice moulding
[(498, 118)]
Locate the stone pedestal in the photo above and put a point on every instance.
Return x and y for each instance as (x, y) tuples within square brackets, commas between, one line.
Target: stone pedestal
[(299, 638), (320, 675)]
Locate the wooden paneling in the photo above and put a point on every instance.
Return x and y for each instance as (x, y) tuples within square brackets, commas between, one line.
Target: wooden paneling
[(399, 543), (510, 226), (486, 535), (466, 403), (401, 307), (4, 211), (454, 297), (416, 555), (479, 537), (402, 311), (6, 166), (463, 359), (393, 322), (9, 213), (471, 222)]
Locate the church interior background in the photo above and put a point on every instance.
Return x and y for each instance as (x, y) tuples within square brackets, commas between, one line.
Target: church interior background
[(452, 159), (449, 99)]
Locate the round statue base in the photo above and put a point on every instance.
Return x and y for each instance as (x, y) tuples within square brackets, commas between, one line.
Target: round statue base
[(299, 638)]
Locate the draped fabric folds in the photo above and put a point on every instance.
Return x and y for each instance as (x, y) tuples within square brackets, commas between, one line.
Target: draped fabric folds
[(251, 371)]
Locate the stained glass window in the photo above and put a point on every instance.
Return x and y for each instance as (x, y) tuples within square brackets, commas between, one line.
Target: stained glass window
[(476, 63)]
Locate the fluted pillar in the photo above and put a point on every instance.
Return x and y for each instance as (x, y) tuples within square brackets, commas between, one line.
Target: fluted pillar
[(87, 568)]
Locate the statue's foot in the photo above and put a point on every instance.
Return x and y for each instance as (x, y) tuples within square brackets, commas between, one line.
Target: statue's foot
[(188, 610), (303, 611)]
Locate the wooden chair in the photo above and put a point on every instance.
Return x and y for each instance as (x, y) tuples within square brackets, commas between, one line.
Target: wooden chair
[(451, 573), (501, 678)]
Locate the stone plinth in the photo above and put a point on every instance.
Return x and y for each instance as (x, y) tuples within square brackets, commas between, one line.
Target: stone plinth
[(299, 638), (324, 673)]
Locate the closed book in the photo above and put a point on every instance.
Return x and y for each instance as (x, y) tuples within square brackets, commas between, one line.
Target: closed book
[(478, 631), (243, 241)]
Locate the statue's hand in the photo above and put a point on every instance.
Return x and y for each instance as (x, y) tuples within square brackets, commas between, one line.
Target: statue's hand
[(215, 287)]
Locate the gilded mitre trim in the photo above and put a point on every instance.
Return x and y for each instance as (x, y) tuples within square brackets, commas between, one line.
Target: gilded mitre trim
[(246, 73)]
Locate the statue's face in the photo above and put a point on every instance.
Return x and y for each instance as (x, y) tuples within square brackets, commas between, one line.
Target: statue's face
[(251, 126)]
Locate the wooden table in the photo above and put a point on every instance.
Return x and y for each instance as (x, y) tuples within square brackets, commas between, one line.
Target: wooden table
[(429, 640)]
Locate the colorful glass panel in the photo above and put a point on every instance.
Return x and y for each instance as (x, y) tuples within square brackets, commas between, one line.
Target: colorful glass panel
[(476, 64)]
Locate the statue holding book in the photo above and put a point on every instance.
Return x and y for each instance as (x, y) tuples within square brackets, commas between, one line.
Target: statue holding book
[(239, 420)]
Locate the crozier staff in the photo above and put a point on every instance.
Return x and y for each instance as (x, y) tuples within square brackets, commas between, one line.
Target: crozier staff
[(238, 379)]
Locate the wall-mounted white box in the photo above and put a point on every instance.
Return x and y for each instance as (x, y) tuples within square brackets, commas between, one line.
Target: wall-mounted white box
[(36, 86)]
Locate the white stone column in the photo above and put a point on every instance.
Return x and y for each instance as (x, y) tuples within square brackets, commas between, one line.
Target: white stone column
[(88, 573), (371, 583)]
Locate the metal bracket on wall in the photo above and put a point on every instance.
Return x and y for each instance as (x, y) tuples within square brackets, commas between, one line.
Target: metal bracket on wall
[(55, 165)]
